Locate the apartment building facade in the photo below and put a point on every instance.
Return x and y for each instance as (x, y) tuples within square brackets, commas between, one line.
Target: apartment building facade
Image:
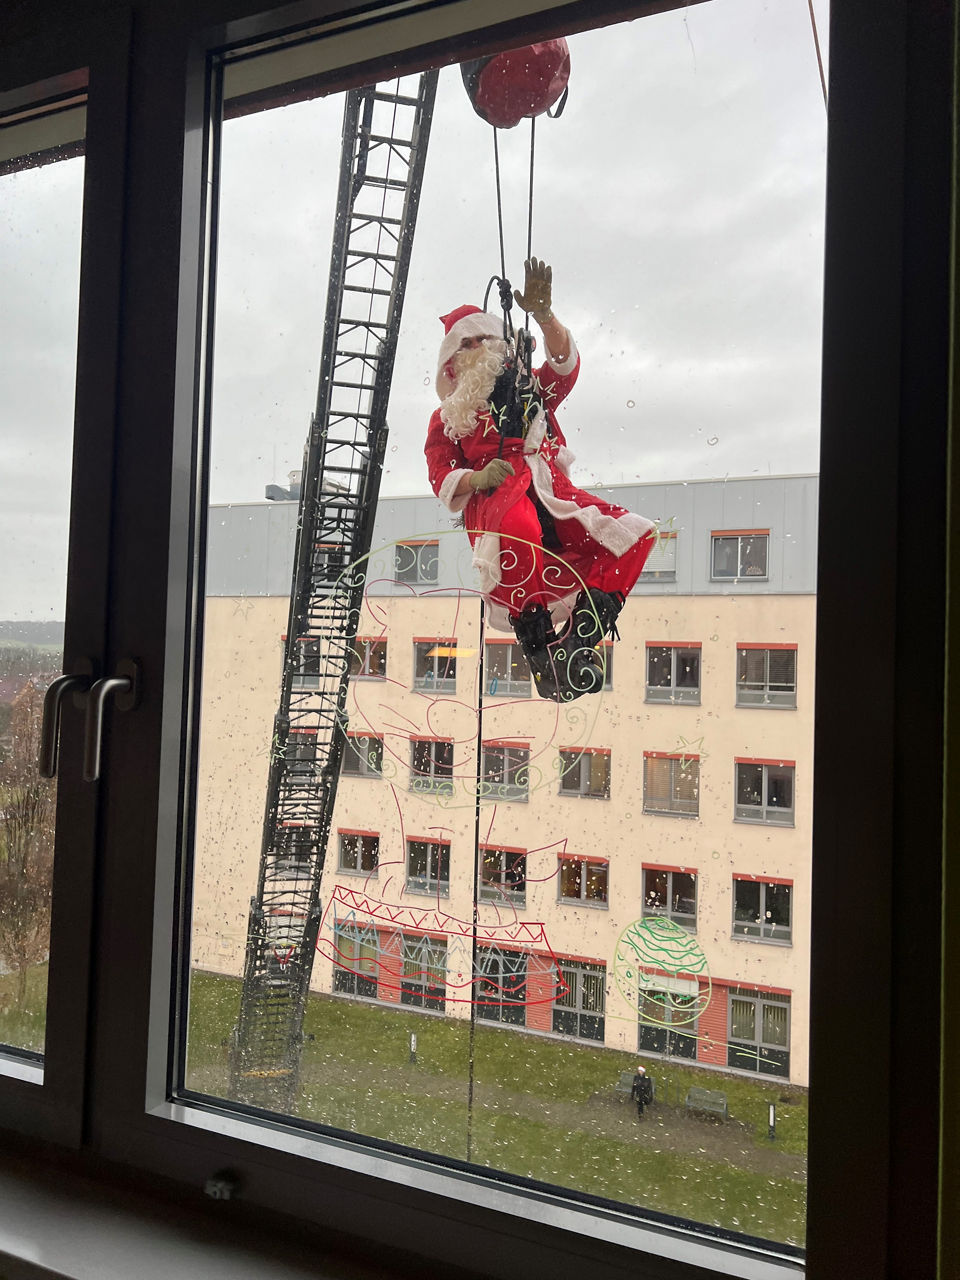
[(630, 869)]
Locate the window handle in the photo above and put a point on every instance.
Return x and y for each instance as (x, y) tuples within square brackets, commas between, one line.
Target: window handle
[(126, 685), (52, 704)]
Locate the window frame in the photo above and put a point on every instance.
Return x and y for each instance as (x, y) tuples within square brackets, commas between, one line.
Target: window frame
[(584, 862), (579, 969), (742, 536), (509, 792), (430, 885), (362, 658), (500, 892), (889, 155), (418, 578), (366, 767), (676, 694), (583, 790), (435, 683), (362, 837), (688, 920), (765, 933), (765, 808), (684, 761), (768, 701), (760, 998), (509, 687), (432, 783)]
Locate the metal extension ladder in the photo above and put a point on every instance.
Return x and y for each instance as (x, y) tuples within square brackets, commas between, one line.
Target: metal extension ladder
[(385, 137)]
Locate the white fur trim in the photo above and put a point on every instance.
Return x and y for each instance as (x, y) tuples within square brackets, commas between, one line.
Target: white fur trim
[(481, 324), (564, 459), (617, 533), (486, 561), (454, 503), (534, 437), (563, 366)]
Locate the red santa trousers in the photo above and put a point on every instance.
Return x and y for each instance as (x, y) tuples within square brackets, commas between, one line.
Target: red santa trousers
[(531, 574)]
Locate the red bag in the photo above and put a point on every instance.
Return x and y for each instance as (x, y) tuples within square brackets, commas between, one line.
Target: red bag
[(509, 87)]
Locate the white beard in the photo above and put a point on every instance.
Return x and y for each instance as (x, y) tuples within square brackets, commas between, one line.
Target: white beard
[(475, 372)]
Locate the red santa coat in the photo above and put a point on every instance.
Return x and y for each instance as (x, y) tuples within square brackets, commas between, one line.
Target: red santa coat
[(541, 462)]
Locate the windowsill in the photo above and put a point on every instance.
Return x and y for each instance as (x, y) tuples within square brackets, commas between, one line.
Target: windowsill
[(581, 795), (668, 813), (435, 892), (765, 822), (365, 875), (672, 701), (579, 902), (764, 942), (377, 777), (765, 706)]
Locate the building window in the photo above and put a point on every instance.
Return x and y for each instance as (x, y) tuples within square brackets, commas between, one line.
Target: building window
[(359, 851), (309, 656), (671, 893), (765, 791), (578, 1011), (368, 659), (301, 752), (355, 966), (759, 1034), (673, 673), (284, 933), (506, 672), (740, 553), (585, 773), (505, 771), (661, 563), (766, 677), (424, 981), (416, 562), (435, 665), (362, 755), (503, 875), (671, 784), (668, 1023), (295, 845), (431, 765), (428, 867), (584, 881), (762, 909), (502, 986)]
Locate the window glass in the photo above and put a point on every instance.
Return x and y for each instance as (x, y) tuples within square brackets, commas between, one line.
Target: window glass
[(40, 217), (502, 912)]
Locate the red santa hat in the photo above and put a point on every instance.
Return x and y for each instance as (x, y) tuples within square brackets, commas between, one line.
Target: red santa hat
[(465, 322)]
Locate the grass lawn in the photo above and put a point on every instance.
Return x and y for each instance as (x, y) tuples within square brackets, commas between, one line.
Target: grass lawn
[(543, 1108), (24, 1028)]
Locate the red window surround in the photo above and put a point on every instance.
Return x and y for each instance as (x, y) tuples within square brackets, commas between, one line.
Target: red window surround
[(738, 533), (420, 737), (751, 644), (501, 848), (587, 751), (741, 875), (780, 764), (681, 644), (356, 831), (686, 755), (663, 866), (582, 857)]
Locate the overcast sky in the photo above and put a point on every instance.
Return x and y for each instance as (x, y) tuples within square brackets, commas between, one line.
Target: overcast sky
[(679, 199)]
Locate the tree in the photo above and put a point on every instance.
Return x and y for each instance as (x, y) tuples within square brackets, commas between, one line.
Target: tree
[(27, 806)]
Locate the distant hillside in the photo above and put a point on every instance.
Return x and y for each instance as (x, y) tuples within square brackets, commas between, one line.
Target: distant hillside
[(31, 633)]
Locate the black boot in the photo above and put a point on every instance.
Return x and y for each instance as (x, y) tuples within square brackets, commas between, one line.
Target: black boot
[(534, 630), (594, 617)]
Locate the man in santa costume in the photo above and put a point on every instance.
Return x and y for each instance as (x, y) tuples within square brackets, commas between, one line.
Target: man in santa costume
[(555, 562)]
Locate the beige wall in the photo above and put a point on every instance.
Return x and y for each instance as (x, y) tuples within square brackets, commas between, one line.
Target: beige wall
[(241, 683)]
